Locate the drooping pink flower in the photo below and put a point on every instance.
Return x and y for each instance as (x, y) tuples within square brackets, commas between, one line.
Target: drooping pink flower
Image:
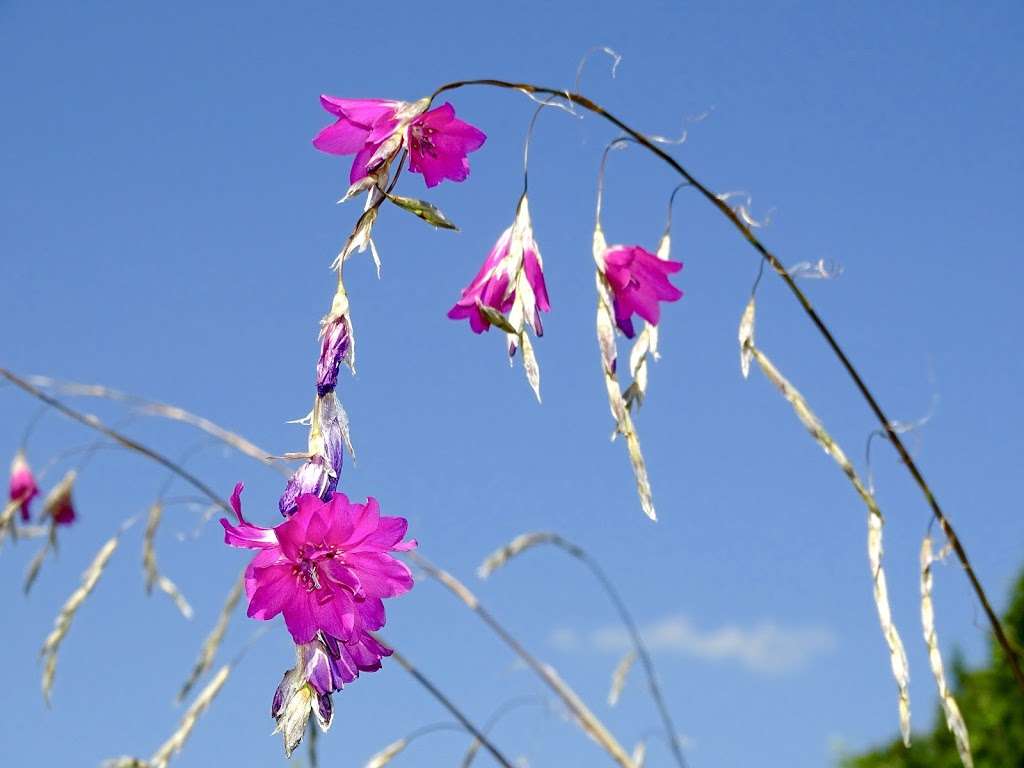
[(511, 281), (638, 281), (439, 143), (59, 506), (374, 130), (23, 486), (326, 568)]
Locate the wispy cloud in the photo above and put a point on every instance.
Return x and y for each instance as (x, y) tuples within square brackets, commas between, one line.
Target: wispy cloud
[(766, 647)]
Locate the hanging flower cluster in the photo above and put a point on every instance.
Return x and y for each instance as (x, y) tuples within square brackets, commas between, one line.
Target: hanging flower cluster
[(327, 567)]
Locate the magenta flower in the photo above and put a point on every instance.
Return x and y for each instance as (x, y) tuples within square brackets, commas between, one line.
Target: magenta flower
[(511, 281), (326, 568), (638, 281), (23, 486), (439, 143), (374, 130), (363, 125), (59, 505)]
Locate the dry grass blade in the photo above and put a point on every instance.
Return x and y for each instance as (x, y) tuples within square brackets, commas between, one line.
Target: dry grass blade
[(32, 572), (897, 654), (619, 677), (526, 541), (213, 640), (7, 519), (387, 754), (586, 719), (954, 720), (149, 545), (616, 401), (639, 754), (62, 623), (172, 412), (149, 567), (170, 589), (519, 544), (177, 740)]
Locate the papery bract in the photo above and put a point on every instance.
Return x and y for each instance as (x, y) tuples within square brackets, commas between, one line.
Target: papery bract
[(638, 280), (23, 486), (326, 568), (438, 144)]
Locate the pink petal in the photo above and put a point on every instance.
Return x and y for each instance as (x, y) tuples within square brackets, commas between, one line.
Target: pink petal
[(380, 574)]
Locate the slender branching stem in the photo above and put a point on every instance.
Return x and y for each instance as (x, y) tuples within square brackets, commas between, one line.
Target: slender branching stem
[(586, 719), (773, 261), (638, 644), (448, 704), (133, 445)]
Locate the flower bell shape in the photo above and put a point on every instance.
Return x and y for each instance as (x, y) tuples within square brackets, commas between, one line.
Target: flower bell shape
[(510, 282), (59, 506), (638, 280), (23, 486), (326, 568), (374, 130), (439, 144)]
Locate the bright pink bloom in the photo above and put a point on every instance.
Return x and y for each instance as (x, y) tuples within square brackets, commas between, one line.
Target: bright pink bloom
[(638, 280), (23, 484), (362, 126), (438, 144), (375, 129), (326, 568), (512, 270)]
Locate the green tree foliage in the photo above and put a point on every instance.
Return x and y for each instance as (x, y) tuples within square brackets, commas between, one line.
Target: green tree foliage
[(992, 706)]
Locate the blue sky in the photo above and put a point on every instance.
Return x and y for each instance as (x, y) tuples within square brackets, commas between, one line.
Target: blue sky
[(167, 230)]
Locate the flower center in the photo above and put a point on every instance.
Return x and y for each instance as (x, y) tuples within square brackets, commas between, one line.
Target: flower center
[(305, 568), (420, 138)]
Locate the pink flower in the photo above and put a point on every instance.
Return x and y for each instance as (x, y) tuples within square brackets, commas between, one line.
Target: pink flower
[(58, 505), (374, 130), (326, 568), (23, 484), (363, 125), (511, 281), (439, 143), (638, 281)]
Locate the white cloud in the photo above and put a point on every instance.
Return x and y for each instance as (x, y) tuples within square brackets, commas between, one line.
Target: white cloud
[(766, 647)]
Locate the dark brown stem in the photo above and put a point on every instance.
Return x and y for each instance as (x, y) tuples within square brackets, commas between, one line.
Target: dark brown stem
[(801, 297), (447, 704)]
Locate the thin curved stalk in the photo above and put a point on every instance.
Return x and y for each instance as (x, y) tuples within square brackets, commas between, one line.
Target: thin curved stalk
[(588, 721), (772, 260), (420, 678), (94, 423), (164, 410), (624, 615)]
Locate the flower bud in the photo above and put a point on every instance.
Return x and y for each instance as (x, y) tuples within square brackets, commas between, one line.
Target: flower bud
[(334, 347)]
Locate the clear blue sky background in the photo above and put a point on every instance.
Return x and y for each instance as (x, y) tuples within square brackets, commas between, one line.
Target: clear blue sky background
[(167, 230)]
